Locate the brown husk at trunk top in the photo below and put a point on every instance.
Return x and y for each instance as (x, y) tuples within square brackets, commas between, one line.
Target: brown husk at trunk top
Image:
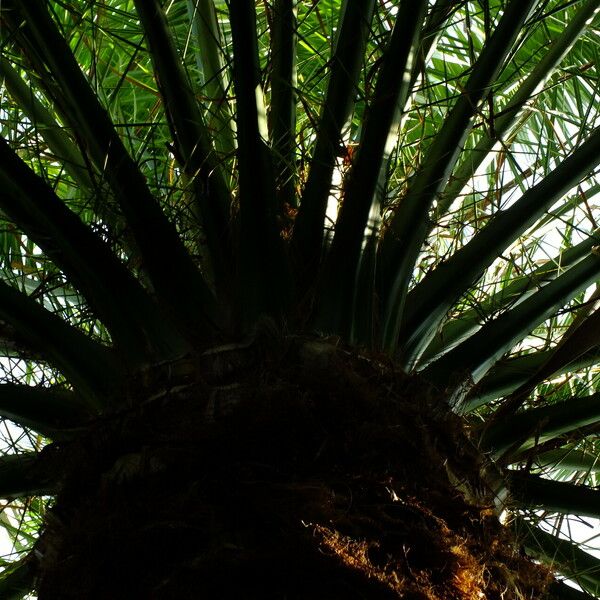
[(289, 469)]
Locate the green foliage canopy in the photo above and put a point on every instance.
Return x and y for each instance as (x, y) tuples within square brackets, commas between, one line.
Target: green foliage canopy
[(419, 178)]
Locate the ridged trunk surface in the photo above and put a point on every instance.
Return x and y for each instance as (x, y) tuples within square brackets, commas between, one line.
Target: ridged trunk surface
[(285, 467)]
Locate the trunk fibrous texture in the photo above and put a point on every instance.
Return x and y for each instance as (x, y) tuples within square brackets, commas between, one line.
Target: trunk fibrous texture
[(287, 469)]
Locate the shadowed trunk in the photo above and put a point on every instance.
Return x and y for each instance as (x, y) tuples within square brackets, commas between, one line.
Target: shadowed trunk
[(284, 467)]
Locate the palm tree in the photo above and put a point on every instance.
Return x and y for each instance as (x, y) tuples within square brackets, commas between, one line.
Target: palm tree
[(298, 298)]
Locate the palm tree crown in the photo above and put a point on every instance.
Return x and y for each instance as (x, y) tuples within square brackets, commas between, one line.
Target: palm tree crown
[(414, 181)]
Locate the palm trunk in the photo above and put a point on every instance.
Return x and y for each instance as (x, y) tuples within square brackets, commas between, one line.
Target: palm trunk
[(281, 468)]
